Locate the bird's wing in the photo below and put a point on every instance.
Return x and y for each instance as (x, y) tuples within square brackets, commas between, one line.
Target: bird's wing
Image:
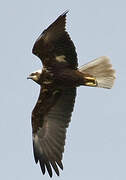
[(54, 45), (50, 118)]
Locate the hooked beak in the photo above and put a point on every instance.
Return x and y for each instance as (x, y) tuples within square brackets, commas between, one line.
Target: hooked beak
[(29, 77)]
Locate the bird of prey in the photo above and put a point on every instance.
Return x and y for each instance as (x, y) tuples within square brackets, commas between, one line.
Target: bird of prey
[(58, 80)]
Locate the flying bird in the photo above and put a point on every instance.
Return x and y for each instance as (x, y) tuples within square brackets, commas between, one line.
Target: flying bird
[(58, 80)]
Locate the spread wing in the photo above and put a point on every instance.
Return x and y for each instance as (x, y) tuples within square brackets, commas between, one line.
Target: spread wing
[(50, 118), (54, 45)]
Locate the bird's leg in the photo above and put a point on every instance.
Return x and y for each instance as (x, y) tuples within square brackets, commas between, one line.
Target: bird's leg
[(90, 81)]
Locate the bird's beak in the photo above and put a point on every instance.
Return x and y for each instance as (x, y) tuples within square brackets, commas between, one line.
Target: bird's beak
[(29, 77)]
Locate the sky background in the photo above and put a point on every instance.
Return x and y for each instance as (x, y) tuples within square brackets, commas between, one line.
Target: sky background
[(96, 139)]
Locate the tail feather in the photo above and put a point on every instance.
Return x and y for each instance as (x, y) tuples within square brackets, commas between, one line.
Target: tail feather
[(101, 69)]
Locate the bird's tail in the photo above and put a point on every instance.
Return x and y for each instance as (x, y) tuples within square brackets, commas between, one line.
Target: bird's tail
[(98, 73)]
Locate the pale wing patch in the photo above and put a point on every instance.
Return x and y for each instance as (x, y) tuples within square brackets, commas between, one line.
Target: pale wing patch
[(61, 58)]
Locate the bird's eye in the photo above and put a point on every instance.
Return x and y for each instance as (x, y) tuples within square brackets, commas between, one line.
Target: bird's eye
[(32, 74)]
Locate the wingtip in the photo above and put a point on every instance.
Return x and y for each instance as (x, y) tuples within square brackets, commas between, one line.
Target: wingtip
[(60, 164), (42, 165), (65, 12)]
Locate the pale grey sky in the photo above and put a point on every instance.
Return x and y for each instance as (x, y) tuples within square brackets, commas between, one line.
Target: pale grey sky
[(96, 139)]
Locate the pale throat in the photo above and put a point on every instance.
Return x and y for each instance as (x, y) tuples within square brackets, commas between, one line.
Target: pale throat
[(39, 71)]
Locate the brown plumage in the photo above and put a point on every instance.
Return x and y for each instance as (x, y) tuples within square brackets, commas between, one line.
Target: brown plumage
[(58, 80), (55, 41)]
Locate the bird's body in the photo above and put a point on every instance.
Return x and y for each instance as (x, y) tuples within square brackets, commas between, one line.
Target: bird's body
[(62, 78), (58, 80)]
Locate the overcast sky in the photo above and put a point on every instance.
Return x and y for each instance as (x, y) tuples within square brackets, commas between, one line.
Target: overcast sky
[(96, 139)]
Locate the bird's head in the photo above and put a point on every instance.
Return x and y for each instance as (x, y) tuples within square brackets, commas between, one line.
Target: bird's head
[(35, 76)]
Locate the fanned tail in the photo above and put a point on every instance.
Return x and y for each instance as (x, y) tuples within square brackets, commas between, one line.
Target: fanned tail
[(101, 70)]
